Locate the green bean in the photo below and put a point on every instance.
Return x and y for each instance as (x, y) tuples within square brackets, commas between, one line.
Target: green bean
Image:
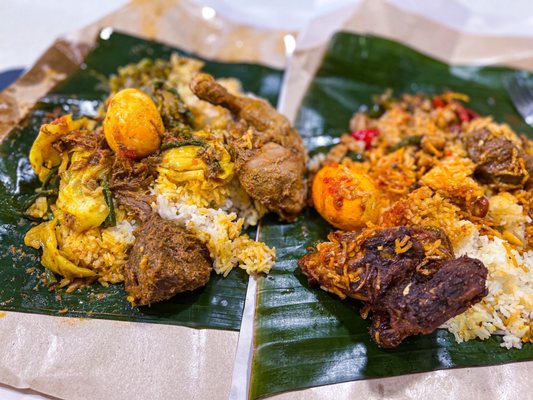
[(51, 174), (46, 193), (192, 142), (408, 141), (40, 193), (49, 212), (111, 218), (30, 218)]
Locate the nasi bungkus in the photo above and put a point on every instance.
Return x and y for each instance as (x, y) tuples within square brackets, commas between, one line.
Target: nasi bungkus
[(156, 191), (433, 205)]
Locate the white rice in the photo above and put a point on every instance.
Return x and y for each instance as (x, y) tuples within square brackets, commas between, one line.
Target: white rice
[(240, 203), (508, 307), (122, 232), (220, 231), (508, 214)]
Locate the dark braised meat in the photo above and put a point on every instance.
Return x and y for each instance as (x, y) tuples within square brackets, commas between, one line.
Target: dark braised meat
[(406, 276), (529, 167), (88, 140), (425, 305), (135, 202), (269, 154), (500, 161), (165, 260), (130, 181)]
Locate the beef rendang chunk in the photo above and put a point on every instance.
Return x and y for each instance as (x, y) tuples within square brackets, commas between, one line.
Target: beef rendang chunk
[(500, 161), (407, 277), (165, 260)]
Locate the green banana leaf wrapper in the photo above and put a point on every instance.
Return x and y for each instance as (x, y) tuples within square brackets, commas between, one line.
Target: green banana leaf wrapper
[(217, 305), (305, 337)]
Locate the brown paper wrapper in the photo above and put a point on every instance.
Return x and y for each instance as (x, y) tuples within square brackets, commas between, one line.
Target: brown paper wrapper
[(99, 359), (82, 359), (383, 19), (177, 23), (510, 381)]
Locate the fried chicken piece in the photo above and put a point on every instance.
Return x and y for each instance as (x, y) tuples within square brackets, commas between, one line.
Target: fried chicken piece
[(165, 260), (269, 154), (406, 276)]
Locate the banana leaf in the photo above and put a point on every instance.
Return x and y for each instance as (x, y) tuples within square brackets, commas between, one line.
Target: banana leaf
[(306, 337), (218, 305)]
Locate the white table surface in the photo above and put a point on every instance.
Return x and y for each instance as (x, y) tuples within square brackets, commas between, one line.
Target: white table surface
[(28, 27)]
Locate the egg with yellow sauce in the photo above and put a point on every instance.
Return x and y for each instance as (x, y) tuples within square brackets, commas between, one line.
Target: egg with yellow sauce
[(132, 125), (347, 199)]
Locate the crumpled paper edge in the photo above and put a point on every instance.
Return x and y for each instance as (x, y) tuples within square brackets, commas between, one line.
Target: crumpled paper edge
[(100, 359), (61, 59), (384, 19), (378, 17), (175, 22)]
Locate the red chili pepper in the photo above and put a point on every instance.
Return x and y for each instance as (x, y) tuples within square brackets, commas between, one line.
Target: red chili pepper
[(472, 114), (438, 102), (366, 135), (465, 114)]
